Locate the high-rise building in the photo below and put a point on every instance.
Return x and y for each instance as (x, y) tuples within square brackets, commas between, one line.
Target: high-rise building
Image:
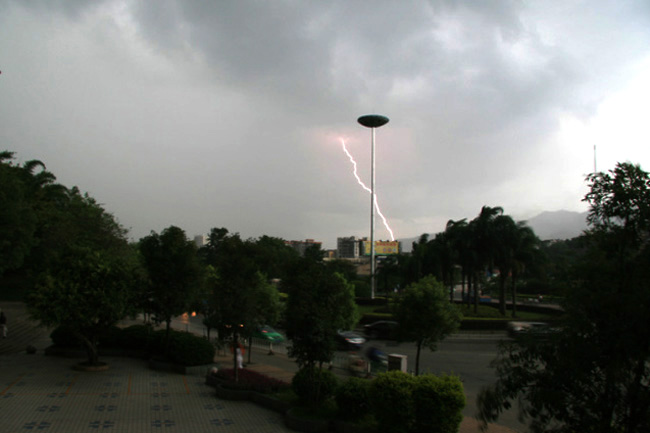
[(200, 240), (348, 247)]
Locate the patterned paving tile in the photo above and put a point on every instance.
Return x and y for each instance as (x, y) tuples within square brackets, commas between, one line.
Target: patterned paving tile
[(45, 394)]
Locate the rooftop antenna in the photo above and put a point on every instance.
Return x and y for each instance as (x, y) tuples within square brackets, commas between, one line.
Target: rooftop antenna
[(595, 170)]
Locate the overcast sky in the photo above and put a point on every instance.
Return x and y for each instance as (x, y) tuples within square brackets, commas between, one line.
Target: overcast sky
[(231, 113)]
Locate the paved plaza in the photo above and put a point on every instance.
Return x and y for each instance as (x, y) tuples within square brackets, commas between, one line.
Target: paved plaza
[(45, 394)]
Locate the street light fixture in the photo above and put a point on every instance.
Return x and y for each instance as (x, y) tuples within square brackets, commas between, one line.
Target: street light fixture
[(372, 121)]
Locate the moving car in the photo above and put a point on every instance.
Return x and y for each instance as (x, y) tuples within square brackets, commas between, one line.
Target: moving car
[(349, 340), (517, 329), (269, 334), (384, 329)]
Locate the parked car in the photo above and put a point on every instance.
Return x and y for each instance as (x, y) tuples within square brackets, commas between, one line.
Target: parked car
[(384, 329), (269, 334), (349, 340)]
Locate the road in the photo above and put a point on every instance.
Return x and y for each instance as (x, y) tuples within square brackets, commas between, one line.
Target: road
[(465, 355)]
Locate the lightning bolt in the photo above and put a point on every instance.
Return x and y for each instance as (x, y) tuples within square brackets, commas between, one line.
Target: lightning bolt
[(363, 185)]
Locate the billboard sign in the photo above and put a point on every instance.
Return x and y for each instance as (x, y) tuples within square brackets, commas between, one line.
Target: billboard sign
[(382, 248)]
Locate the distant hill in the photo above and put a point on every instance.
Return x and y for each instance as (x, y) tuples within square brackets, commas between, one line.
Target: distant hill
[(561, 224)]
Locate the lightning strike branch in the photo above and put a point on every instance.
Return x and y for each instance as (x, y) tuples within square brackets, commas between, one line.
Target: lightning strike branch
[(354, 166)]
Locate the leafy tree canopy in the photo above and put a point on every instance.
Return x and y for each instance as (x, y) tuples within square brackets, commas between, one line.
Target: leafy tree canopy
[(591, 373), (320, 303), (425, 315), (174, 271)]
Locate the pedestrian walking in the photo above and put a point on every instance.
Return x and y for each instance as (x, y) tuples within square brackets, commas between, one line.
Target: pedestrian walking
[(3, 324)]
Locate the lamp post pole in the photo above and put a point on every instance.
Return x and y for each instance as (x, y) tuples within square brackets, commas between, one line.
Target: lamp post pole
[(372, 121)]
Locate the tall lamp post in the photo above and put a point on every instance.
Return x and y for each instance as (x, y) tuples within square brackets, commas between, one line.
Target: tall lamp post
[(372, 121)]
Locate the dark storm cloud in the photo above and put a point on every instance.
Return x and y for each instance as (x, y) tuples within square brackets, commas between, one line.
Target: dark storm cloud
[(232, 110)]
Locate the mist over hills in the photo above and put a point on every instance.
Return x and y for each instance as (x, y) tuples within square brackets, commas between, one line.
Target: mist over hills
[(560, 224)]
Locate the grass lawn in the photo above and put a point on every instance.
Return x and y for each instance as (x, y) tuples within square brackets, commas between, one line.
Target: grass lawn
[(486, 312)]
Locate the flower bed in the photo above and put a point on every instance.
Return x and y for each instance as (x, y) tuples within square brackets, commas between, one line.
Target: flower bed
[(249, 380)]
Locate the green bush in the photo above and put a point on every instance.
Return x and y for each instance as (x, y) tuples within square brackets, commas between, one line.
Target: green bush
[(189, 349), (137, 337), (438, 402), (392, 401), (64, 337), (314, 385), (352, 398), (361, 289), (110, 337)]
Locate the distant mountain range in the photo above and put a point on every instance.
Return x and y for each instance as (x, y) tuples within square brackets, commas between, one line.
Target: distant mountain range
[(560, 224)]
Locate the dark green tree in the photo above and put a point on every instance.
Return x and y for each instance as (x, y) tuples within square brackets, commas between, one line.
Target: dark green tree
[(426, 316), (17, 215), (460, 238), (320, 303), (241, 298), (591, 374), (484, 241), (526, 253), (87, 292), (174, 271)]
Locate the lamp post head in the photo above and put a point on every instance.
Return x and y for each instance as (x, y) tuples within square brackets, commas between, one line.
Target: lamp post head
[(373, 120)]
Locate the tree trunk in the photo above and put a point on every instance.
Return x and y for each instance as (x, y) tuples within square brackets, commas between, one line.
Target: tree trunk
[(476, 294), (635, 409), (168, 321), (514, 295), (502, 293), (91, 351), (417, 358)]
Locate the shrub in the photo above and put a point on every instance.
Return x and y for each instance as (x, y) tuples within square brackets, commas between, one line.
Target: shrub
[(110, 337), (64, 337), (352, 398), (137, 337), (188, 349), (252, 380), (314, 385), (438, 402), (392, 401)]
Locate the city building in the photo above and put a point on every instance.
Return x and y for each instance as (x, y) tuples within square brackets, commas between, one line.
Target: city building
[(301, 246), (200, 240), (348, 247)]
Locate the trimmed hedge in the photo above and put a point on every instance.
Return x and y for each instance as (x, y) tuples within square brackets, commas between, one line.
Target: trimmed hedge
[(391, 400), (417, 404), (314, 385), (184, 349), (353, 398), (137, 337), (438, 402), (189, 350)]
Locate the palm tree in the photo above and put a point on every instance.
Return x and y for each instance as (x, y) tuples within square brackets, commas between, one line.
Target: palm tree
[(458, 235), (484, 241), (505, 231), (525, 252)]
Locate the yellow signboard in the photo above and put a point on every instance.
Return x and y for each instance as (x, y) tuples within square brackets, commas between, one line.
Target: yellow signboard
[(382, 248)]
